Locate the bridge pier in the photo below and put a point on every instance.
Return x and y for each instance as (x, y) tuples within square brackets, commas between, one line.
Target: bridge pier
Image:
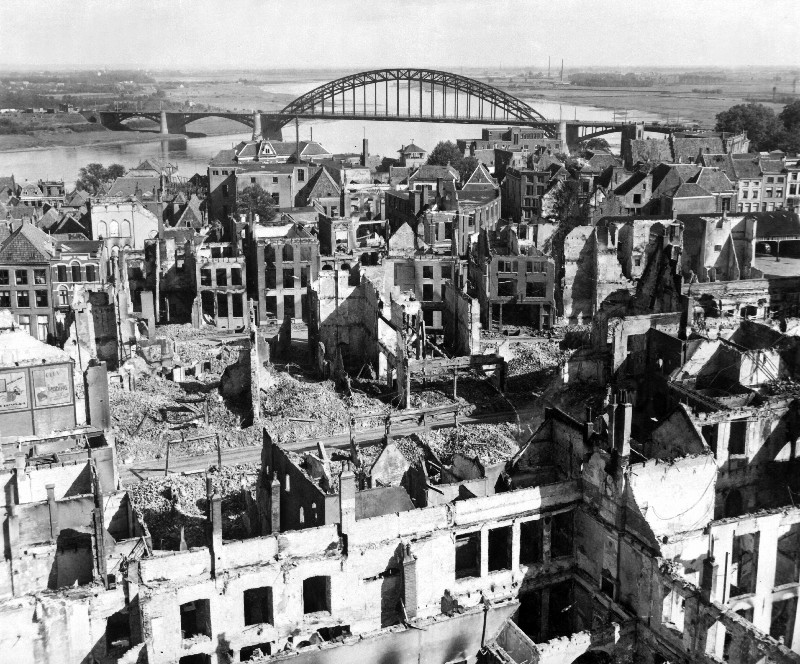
[(569, 135), (630, 132), (172, 123), (256, 125), (271, 128)]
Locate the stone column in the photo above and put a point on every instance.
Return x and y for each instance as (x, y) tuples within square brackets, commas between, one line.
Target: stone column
[(256, 125), (164, 123)]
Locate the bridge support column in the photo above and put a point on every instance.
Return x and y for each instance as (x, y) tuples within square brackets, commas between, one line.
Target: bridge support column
[(630, 132), (256, 125), (172, 123), (271, 129), (569, 135)]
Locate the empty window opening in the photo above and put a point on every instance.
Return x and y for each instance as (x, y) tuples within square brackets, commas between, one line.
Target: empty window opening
[(236, 276), (787, 564), (427, 292), (258, 606), (427, 272), (222, 277), (536, 289), (288, 306), (196, 618), (205, 277), (255, 652), (118, 631), (506, 287), (672, 610), (222, 305), (744, 564), (316, 594), (238, 307), (500, 549), (529, 615), (561, 535), (784, 613), (468, 555), (738, 439), (734, 505), (530, 542)]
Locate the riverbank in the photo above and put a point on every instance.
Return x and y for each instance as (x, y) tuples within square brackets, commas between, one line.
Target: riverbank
[(42, 140)]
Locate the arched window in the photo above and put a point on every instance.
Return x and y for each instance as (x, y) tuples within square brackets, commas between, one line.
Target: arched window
[(114, 229), (288, 252), (102, 229), (75, 271), (63, 296), (126, 229)]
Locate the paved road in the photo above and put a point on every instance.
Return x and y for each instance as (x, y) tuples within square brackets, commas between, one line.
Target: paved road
[(145, 469)]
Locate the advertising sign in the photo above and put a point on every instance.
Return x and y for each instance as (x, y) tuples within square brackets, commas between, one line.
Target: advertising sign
[(51, 386), (13, 391)]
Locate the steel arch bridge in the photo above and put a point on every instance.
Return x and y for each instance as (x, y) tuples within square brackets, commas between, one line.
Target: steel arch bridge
[(471, 100)]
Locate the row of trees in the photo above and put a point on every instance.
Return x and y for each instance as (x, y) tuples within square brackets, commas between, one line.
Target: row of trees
[(766, 130)]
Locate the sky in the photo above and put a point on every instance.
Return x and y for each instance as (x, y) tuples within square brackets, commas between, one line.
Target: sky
[(357, 34)]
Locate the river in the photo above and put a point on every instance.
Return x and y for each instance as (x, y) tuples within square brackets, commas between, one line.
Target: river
[(193, 154)]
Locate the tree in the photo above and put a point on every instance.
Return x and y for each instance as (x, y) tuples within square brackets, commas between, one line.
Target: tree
[(759, 121), (790, 116), (93, 176), (253, 200), (445, 152), (597, 143)]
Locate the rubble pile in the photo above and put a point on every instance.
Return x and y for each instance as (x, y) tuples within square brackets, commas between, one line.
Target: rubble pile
[(156, 410), (296, 410), (491, 443), (170, 503), (534, 364)]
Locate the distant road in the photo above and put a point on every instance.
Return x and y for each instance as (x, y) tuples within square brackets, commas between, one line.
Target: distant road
[(151, 468)]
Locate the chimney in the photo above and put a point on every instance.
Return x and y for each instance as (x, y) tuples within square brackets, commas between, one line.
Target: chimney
[(409, 583), (347, 500), (623, 439), (364, 151), (611, 411)]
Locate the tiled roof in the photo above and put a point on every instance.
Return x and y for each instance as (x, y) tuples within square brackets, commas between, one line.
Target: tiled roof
[(132, 186), (688, 149), (27, 244), (746, 166), (411, 147), (631, 182), (690, 190), (480, 178), (713, 180), (223, 158), (772, 166), (724, 162)]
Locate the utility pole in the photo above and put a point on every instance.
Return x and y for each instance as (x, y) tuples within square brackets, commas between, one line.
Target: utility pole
[(562, 70), (548, 66)]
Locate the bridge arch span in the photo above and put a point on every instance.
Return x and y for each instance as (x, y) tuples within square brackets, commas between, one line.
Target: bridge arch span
[(483, 101)]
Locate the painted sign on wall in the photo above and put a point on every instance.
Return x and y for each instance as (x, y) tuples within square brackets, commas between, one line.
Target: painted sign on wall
[(52, 386), (13, 390)]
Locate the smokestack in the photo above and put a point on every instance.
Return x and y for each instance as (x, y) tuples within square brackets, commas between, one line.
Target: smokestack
[(364, 151)]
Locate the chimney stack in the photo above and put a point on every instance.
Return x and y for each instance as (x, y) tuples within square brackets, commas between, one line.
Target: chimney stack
[(347, 500), (364, 151), (611, 411)]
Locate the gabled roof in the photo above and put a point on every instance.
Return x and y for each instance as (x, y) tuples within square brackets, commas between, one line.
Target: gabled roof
[(192, 215), (723, 162), (712, 180), (746, 166), (772, 166), (689, 148), (480, 179), (77, 198), (690, 190), (631, 182), (27, 244), (321, 184), (600, 161)]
